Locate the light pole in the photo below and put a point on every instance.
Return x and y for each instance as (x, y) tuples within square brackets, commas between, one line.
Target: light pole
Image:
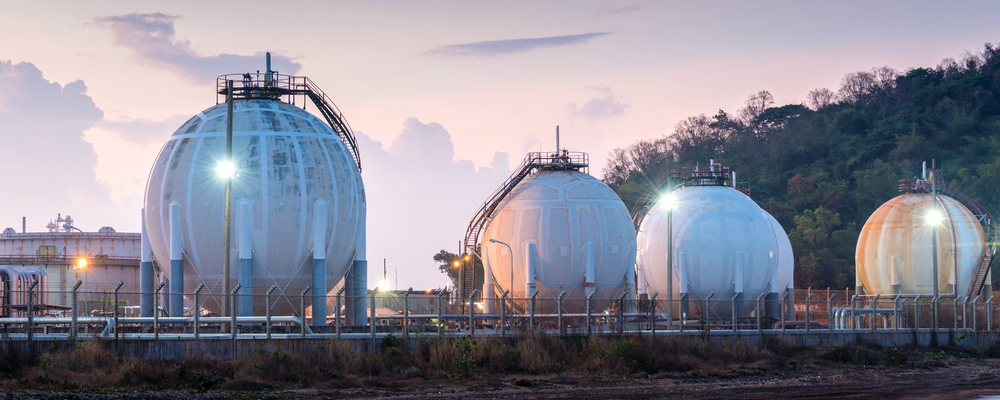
[(226, 170), (511, 288), (668, 201)]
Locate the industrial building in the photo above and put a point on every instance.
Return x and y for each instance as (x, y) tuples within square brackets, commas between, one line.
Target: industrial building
[(99, 259)]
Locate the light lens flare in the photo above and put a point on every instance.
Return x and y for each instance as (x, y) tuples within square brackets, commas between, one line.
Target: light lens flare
[(667, 201), (384, 285), (935, 217), (81, 263), (225, 169)]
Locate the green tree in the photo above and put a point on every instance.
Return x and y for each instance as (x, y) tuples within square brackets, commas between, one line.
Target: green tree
[(447, 266)]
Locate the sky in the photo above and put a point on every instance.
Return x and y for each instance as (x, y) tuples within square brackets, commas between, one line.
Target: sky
[(444, 96)]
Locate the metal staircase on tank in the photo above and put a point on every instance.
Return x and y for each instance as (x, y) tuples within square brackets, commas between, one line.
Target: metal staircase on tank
[(275, 86), (986, 221), (536, 161)]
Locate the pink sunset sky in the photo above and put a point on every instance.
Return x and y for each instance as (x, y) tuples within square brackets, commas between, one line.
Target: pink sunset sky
[(445, 97)]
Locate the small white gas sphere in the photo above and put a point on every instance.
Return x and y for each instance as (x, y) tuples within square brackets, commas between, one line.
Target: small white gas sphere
[(722, 242), (557, 215), (286, 161), (895, 248)]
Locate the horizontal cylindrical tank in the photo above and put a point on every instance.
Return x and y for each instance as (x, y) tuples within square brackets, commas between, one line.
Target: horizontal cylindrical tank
[(894, 254), (568, 231), (723, 243), (288, 162)]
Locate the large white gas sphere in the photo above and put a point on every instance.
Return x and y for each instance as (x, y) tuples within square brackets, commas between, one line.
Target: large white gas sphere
[(896, 245), (558, 212), (286, 161), (722, 240)]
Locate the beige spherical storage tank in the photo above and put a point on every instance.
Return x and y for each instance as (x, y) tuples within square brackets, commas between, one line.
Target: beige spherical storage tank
[(895, 249), (567, 231)]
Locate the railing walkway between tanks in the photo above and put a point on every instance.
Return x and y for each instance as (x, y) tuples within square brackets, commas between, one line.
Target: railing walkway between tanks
[(114, 314), (275, 86), (985, 218)]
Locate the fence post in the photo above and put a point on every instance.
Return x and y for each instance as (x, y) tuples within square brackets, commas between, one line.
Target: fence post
[(76, 311), (559, 311), (440, 315), (781, 311), (589, 310), (406, 313), (156, 311), (31, 312), (372, 321), (916, 314), (232, 307), (854, 325), (965, 314), (757, 313), (895, 314), (705, 312), (682, 316), (531, 308), (652, 316), (302, 312), (935, 312), (807, 311), (115, 310), (472, 313), (267, 304), (989, 314), (503, 314), (975, 313), (735, 296), (874, 313), (830, 318), (197, 309), (337, 311), (621, 313)]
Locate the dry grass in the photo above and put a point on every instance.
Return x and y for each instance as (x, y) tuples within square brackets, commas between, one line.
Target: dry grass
[(92, 364)]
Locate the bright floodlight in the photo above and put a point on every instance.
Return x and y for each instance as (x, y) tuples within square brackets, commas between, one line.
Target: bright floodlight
[(384, 285), (935, 217), (667, 201), (81, 263), (225, 169)]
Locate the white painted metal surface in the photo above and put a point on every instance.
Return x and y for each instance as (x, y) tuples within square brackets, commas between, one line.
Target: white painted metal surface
[(287, 159), (558, 213), (719, 235), (896, 246)]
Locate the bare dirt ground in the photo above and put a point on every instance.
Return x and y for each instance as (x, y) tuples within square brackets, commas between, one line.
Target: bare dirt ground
[(940, 379)]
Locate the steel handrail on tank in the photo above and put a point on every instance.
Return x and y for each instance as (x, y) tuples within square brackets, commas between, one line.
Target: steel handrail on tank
[(274, 86), (533, 162), (985, 218), (700, 175)]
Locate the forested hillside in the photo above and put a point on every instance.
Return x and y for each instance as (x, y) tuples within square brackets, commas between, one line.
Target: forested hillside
[(821, 168)]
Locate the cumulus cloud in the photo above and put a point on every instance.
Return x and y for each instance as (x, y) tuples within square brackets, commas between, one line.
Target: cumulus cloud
[(420, 199), (605, 105), (125, 153), (496, 48), (152, 39), (619, 10), (49, 166)]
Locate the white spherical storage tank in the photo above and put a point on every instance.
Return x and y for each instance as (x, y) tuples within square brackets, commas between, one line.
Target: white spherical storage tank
[(723, 244), (567, 231), (895, 248), (296, 187)]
